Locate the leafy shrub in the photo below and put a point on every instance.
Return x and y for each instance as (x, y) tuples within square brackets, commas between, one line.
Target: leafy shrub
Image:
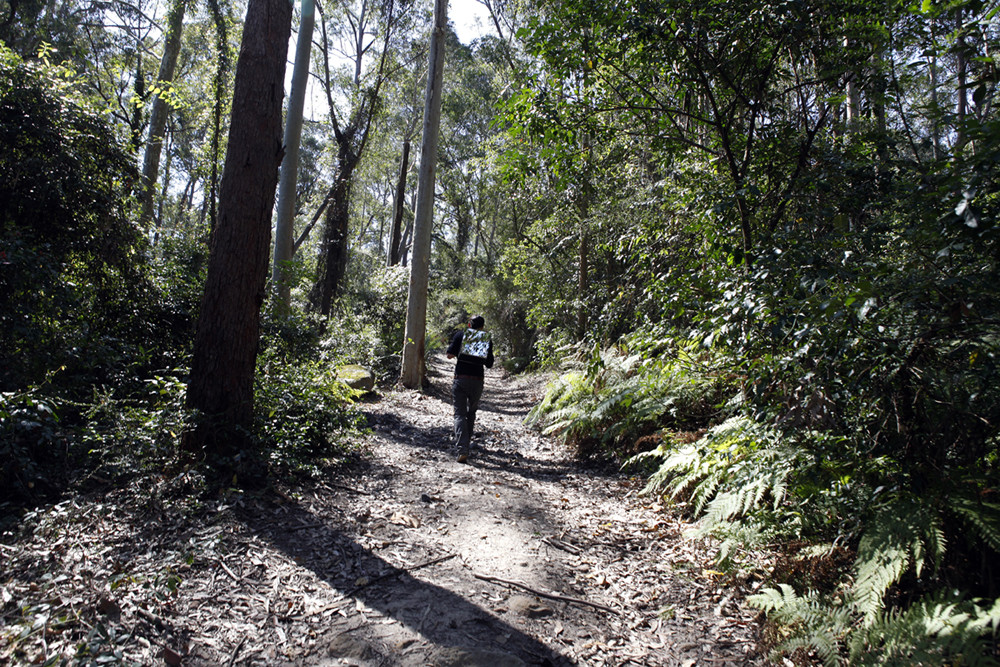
[(304, 414), (33, 445), (130, 431), (618, 397), (68, 253), (369, 320)]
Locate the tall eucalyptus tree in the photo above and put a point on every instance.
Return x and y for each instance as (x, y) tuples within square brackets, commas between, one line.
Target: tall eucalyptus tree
[(413, 367), (287, 184), (161, 106), (358, 27), (226, 342)]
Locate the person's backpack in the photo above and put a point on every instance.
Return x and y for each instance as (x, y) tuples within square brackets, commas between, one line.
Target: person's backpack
[(475, 343)]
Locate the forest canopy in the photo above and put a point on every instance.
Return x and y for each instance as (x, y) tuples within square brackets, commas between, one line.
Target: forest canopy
[(754, 241)]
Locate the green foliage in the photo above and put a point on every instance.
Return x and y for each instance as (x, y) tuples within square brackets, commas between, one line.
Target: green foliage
[(369, 319), (32, 445), (501, 306), (901, 536), (735, 468), (621, 397), (69, 263), (304, 415), (130, 431), (940, 629)]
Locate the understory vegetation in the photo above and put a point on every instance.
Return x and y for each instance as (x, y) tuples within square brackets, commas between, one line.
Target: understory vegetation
[(793, 321), (756, 242)]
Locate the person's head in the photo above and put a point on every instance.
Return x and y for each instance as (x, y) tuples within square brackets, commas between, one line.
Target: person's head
[(477, 322)]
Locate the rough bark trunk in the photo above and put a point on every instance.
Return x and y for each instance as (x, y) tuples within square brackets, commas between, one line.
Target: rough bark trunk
[(413, 366), (333, 249), (225, 348)]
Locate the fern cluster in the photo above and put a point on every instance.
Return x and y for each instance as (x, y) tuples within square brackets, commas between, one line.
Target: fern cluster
[(900, 534), (741, 479), (942, 628), (620, 397)]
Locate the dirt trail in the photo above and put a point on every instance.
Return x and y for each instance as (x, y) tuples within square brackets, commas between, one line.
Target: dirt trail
[(521, 556)]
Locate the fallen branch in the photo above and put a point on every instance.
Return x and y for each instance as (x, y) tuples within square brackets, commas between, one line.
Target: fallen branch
[(395, 572), (308, 526), (226, 569), (550, 596), (565, 546), (349, 488)]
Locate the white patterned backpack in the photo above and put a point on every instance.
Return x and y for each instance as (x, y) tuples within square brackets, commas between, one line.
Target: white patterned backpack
[(475, 343)]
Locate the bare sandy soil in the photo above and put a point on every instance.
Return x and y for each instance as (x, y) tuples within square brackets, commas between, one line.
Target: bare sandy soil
[(523, 556)]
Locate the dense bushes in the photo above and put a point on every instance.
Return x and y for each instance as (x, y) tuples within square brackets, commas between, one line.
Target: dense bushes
[(303, 413), (609, 403), (96, 325), (857, 321), (69, 275), (864, 418)]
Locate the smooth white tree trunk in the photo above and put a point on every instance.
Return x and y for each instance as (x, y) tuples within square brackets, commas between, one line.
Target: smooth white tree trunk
[(160, 108), (412, 374), (285, 214)]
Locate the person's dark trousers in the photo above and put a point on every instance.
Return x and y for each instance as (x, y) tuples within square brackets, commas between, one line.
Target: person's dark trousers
[(465, 393)]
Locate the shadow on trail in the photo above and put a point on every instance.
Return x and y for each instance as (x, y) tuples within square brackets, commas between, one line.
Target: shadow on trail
[(341, 561), (494, 450), (488, 449)]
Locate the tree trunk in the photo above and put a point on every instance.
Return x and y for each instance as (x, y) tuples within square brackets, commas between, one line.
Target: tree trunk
[(284, 226), (583, 280), (333, 248), (935, 106), (405, 243), (159, 204), (853, 94), (160, 108), (961, 105), (413, 369), (225, 347), (398, 205)]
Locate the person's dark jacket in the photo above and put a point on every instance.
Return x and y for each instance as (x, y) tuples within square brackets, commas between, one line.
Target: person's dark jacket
[(466, 365)]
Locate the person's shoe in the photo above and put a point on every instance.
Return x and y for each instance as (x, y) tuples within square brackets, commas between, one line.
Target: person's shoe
[(462, 458)]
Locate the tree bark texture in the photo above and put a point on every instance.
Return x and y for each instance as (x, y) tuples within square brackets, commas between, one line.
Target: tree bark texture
[(399, 205), (333, 249), (413, 366), (225, 348)]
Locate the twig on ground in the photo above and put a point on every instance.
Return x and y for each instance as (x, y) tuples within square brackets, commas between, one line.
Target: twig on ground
[(395, 572), (550, 596), (307, 526), (344, 487), (226, 569), (565, 546), (232, 658)]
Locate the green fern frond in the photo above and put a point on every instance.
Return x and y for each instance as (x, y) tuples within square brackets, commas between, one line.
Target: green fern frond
[(941, 629), (706, 489), (815, 624), (982, 517), (895, 538)]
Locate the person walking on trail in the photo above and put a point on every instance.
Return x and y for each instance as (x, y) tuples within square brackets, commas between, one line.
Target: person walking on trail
[(474, 351)]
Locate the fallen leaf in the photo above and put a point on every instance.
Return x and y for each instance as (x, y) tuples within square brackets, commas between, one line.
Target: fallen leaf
[(404, 520), (171, 657)]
